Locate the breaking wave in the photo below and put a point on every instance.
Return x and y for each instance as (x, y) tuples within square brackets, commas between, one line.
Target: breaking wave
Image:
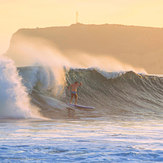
[(111, 93), (14, 101)]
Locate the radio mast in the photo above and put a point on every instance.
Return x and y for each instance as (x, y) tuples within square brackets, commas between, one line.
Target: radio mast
[(77, 16)]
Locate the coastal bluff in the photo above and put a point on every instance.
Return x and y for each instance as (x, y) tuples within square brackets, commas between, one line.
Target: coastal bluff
[(138, 46)]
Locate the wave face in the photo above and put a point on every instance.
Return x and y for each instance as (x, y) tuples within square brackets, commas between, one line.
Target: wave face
[(112, 93), (126, 93)]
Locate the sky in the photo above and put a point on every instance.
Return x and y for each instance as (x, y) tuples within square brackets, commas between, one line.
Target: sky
[(16, 14)]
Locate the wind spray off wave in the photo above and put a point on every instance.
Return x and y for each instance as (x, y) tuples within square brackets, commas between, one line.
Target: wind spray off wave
[(14, 101)]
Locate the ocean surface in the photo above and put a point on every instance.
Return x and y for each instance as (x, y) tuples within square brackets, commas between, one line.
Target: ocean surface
[(86, 140), (37, 125)]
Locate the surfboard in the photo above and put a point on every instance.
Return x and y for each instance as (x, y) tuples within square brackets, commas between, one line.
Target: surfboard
[(81, 106)]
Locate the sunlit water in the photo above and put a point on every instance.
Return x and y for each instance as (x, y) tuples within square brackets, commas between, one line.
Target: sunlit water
[(86, 140)]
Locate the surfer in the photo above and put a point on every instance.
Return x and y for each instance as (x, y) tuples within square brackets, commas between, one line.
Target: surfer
[(74, 88)]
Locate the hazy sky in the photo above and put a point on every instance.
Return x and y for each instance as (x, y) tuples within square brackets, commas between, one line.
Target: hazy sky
[(15, 14)]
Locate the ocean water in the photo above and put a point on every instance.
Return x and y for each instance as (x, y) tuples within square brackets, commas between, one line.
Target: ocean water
[(82, 140), (37, 125)]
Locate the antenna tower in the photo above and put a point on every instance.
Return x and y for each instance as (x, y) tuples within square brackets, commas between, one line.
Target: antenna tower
[(77, 16)]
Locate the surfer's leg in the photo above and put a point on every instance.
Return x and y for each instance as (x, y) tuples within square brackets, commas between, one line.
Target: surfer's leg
[(76, 99), (71, 98)]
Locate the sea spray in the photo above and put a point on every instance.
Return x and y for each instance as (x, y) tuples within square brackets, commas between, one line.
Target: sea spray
[(52, 64), (39, 78), (48, 74), (14, 101)]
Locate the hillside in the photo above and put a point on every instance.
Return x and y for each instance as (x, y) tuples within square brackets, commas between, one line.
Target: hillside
[(137, 46)]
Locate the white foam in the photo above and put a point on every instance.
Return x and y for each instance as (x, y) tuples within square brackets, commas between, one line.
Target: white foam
[(14, 101), (110, 75)]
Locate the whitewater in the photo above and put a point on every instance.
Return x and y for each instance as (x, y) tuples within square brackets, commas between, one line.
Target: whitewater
[(37, 125)]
